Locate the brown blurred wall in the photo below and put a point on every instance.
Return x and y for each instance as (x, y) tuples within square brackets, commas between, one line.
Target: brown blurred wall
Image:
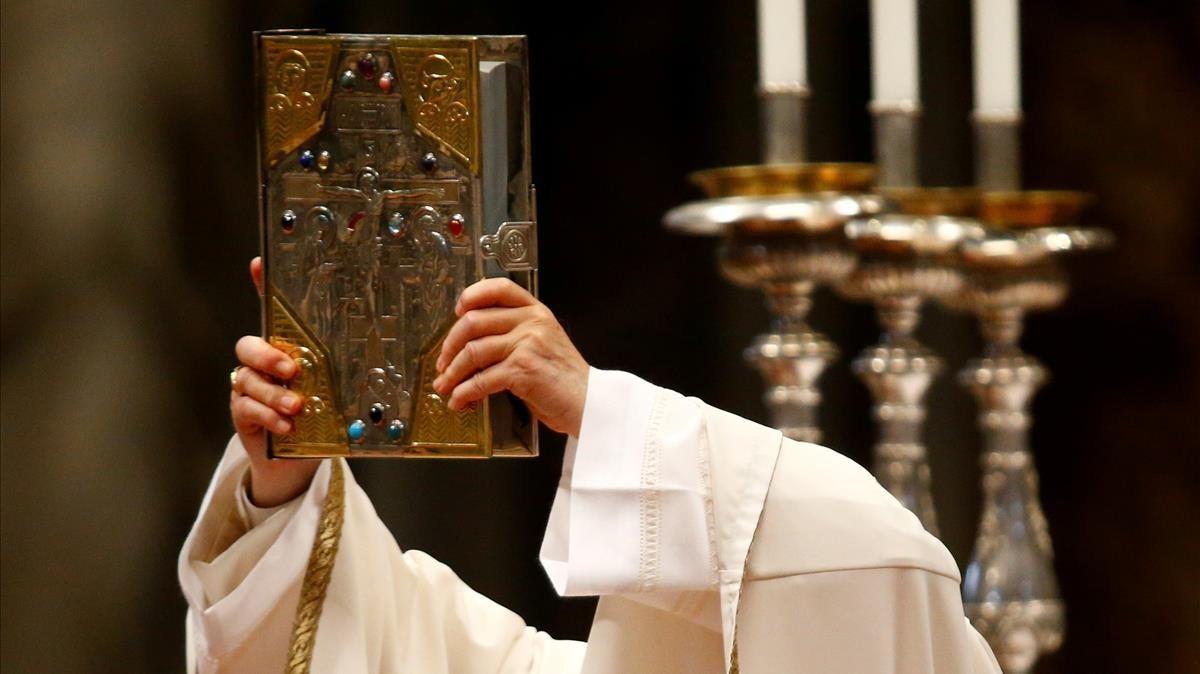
[(128, 215)]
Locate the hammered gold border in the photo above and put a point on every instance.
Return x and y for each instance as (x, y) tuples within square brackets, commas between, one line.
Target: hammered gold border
[(318, 574), (292, 123), (404, 47), (313, 427), (436, 430)]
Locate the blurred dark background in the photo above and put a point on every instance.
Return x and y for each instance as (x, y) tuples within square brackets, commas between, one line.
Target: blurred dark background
[(129, 215)]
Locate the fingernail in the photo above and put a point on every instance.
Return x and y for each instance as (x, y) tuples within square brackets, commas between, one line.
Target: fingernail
[(437, 384), (290, 401), (282, 426), (286, 368)]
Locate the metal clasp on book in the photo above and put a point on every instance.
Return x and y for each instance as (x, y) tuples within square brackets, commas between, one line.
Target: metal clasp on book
[(513, 246)]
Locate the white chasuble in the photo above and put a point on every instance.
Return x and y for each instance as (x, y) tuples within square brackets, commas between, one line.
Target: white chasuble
[(716, 545), (719, 545)]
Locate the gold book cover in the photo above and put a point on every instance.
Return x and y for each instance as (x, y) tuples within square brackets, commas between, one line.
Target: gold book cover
[(394, 172)]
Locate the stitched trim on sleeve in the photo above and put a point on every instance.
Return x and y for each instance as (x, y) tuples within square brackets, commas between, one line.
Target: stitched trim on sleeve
[(651, 499)]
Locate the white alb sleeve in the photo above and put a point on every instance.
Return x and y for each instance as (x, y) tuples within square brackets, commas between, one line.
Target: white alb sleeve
[(633, 510)]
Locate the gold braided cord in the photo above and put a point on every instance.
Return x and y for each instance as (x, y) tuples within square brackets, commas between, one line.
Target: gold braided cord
[(318, 574)]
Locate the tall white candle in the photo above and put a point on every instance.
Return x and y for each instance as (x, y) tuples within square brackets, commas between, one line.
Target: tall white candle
[(894, 53), (781, 57), (997, 57)]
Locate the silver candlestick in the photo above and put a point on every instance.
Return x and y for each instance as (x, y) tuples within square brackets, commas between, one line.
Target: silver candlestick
[(904, 260), (1009, 590), (780, 226)]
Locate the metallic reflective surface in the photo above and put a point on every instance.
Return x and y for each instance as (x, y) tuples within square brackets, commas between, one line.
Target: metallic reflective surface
[(379, 207), (1019, 248), (904, 262), (998, 150), (790, 356), (931, 201), (900, 234), (897, 128), (784, 128), (788, 179), (801, 214), (1032, 208), (1009, 589), (784, 244)]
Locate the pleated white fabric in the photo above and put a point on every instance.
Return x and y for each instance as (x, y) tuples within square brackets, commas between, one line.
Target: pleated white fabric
[(716, 544), (385, 611), (806, 564)]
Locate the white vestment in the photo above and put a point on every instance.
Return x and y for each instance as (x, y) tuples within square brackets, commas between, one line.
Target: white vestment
[(716, 544)]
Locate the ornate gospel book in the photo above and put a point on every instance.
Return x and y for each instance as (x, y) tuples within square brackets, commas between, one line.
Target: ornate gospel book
[(394, 173)]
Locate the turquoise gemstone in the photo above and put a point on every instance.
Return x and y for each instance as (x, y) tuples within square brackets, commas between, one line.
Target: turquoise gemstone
[(357, 430), (395, 224), (347, 79), (395, 430)]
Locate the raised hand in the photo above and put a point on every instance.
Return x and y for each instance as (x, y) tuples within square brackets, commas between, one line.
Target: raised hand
[(505, 339), (258, 403)]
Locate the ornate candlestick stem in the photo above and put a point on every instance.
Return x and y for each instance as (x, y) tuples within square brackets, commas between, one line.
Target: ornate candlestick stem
[(791, 358), (898, 372), (1010, 592), (903, 262), (1009, 589)]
